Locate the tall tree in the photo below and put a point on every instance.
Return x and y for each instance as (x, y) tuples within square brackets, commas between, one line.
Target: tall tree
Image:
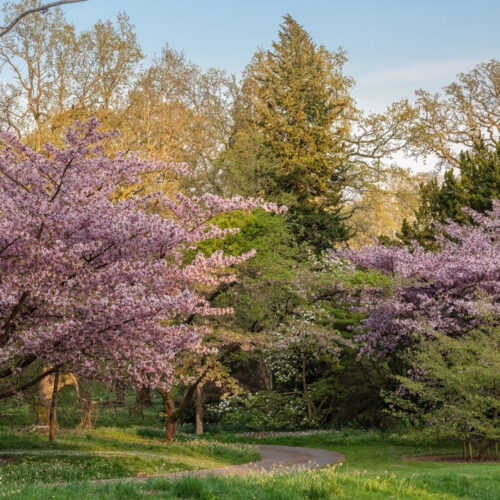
[(468, 111), (296, 94), (57, 74), (298, 138), (177, 111)]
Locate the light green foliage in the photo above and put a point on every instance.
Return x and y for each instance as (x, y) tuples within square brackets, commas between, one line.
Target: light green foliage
[(299, 319), (454, 391)]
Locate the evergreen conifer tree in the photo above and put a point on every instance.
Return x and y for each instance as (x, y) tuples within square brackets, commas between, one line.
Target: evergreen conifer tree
[(475, 185), (293, 101)]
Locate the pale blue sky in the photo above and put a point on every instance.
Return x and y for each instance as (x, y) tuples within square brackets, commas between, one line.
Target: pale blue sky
[(394, 46)]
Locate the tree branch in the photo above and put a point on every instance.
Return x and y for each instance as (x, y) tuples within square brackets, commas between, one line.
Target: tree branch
[(41, 8), (29, 384)]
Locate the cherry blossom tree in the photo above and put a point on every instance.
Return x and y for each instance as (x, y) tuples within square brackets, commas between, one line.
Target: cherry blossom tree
[(451, 291), (94, 279)]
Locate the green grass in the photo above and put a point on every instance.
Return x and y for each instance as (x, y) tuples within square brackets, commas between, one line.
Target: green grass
[(373, 456), (27, 458), (373, 469)]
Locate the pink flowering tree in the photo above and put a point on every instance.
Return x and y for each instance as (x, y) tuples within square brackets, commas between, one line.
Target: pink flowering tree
[(437, 323), (451, 290), (96, 283)]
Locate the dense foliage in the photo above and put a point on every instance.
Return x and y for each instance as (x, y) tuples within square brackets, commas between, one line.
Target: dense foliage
[(450, 290), (122, 267), (475, 186), (453, 389), (94, 281)]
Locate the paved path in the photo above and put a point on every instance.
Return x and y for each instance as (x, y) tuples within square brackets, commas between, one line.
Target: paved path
[(274, 458)]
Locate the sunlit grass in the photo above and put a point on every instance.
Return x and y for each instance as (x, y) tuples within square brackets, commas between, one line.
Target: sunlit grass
[(374, 469), (27, 458)]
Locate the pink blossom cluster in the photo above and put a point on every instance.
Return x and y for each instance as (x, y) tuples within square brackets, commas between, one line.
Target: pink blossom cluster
[(94, 282), (451, 290)]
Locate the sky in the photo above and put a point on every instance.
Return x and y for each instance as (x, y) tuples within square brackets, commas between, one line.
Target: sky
[(394, 46)]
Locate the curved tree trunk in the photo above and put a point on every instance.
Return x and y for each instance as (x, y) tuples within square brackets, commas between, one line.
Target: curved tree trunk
[(173, 414), (172, 417), (46, 392)]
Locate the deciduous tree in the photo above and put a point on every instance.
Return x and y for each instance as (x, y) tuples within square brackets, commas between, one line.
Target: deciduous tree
[(94, 282)]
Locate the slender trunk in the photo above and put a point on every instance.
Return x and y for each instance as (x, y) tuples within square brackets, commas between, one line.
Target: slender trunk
[(199, 410), (143, 397), (496, 450), (306, 392), (172, 417), (470, 452), (120, 394), (87, 408), (484, 449), (52, 412)]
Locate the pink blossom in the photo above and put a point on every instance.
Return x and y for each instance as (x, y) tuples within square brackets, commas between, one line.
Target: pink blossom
[(94, 282)]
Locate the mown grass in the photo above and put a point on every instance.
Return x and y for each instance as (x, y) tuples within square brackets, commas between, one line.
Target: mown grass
[(379, 457), (374, 469), (27, 458)]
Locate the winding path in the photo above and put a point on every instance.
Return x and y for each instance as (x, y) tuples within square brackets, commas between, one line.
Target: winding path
[(274, 458)]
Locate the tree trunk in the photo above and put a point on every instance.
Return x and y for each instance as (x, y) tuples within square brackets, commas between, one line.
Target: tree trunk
[(52, 412), (87, 409), (172, 417), (306, 392), (170, 430), (484, 448), (198, 401), (45, 391), (143, 397), (173, 414), (266, 375)]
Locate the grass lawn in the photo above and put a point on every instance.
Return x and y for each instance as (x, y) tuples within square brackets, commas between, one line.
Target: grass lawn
[(28, 459), (373, 469), (373, 458)]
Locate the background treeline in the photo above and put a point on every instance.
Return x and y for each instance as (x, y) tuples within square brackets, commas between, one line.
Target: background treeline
[(289, 131)]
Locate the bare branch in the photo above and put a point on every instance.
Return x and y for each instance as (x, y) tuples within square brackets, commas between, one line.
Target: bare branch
[(42, 8)]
